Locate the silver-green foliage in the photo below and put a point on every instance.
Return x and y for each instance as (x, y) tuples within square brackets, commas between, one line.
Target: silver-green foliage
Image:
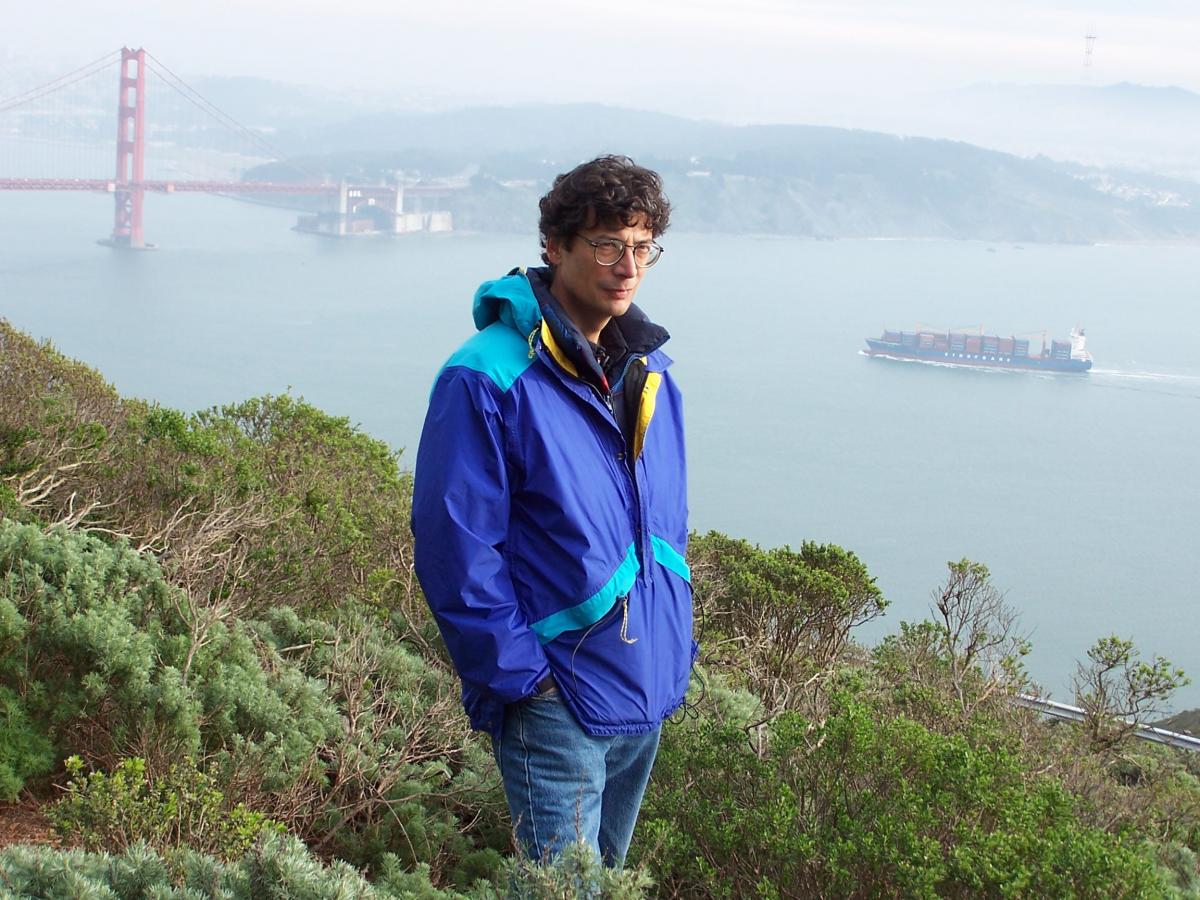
[(96, 651), (405, 772), (352, 740), (334, 728), (25, 751), (281, 868), (277, 867)]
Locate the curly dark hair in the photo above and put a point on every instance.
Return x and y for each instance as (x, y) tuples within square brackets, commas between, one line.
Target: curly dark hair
[(607, 190)]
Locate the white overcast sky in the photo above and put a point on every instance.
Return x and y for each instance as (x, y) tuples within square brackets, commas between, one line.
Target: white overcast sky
[(757, 60)]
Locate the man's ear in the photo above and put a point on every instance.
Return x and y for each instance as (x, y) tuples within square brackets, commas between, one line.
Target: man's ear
[(554, 250)]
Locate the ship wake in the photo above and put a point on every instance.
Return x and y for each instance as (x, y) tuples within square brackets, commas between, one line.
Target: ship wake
[(1173, 384), (1168, 377)]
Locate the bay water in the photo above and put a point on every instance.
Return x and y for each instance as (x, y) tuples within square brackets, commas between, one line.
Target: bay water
[(1080, 493)]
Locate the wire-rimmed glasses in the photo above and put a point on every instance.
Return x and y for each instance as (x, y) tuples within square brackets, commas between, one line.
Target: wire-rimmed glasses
[(608, 251)]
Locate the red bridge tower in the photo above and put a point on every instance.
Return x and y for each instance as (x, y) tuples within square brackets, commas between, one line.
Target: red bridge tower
[(129, 189)]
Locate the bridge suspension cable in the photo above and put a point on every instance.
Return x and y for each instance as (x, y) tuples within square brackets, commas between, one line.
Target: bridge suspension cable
[(77, 114), (172, 80), (200, 102), (36, 93)]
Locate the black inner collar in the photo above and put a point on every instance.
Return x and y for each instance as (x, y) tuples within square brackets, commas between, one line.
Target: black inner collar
[(622, 340)]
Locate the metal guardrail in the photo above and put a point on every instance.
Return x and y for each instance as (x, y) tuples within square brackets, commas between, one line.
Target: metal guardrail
[(1075, 714)]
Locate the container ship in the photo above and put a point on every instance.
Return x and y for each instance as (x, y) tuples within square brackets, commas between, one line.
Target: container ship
[(983, 350)]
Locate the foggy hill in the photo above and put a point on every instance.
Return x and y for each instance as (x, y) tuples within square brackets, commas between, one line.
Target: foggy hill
[(1187, 722), (788, 179), (813, 180), (1130, 125), (269, 106), (1127, 125)]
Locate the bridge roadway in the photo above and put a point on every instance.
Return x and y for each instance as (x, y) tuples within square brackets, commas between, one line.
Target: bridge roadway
[(1075, 714), (111, 186)]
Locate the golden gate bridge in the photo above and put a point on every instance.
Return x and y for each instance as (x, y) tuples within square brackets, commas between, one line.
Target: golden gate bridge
[(129, 184)]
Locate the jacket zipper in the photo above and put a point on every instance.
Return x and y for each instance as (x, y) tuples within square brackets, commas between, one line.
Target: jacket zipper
[(628, 466)]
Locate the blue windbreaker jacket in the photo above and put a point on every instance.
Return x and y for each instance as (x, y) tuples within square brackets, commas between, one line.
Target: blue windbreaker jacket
[(547, 541)]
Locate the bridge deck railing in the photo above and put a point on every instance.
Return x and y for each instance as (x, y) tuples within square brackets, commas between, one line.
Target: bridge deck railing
[(1075, 714)]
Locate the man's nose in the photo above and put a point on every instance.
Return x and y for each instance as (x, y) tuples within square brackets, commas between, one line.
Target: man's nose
[(626, 264)]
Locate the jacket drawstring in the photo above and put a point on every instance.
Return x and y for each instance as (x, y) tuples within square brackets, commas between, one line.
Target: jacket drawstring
[(625, 638)]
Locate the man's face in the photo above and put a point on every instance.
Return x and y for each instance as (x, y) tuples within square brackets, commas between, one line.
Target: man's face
[(590, 293)]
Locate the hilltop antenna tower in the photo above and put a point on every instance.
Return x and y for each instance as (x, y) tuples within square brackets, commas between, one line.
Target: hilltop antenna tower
[(1089, 44)]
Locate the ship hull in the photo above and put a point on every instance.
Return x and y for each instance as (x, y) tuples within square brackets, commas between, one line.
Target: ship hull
[(980, 360)]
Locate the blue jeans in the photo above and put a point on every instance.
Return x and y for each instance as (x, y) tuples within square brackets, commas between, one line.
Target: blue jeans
[(564, 785)]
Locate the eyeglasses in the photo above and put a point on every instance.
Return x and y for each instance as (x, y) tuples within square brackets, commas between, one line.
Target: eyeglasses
[(609, 251)]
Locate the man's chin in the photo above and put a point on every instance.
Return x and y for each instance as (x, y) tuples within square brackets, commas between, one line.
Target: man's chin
[(618, 308)]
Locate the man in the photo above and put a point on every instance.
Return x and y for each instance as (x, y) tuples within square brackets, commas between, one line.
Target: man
[(550, 515)]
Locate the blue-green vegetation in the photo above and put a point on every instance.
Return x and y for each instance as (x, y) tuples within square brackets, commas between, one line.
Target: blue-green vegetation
[(218, 675)]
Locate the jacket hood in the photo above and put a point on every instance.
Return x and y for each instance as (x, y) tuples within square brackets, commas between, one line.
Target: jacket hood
[(510, 300), (522, 300)]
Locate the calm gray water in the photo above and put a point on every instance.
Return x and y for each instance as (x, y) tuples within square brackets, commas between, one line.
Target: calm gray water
[(1080, 493)]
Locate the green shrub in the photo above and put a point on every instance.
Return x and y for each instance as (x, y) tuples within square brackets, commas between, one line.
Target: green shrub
[(335, 729), (25, 750), (869, 804), (251, 505), (56, 418), (276, 867), (406, 772), (1119, 691), (181, 808), (105, 648), (83, 609), (1148, 792), (1180, 868), (777, 619), (280, 867), (967, 660), (338, 508), (575, 874)]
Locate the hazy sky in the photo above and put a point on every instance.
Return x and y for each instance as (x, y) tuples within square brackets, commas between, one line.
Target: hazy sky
[(756, 60)]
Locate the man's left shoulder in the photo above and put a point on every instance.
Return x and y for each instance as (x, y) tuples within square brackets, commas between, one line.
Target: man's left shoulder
[(658, 361)]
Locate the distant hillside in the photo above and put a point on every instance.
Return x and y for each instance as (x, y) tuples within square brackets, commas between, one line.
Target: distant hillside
[(1130, 125), (1187, 722), (267, 105), (787, 179)]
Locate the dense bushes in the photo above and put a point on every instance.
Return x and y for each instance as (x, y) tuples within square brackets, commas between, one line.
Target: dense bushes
[(54, 432), (332, 727), (869, 804), (403, 774), (905, 773), (25, 750), (258, 503), (777, 619), (182, 808), (217, 614), (279, 867), (98, 649), (337, 506)]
